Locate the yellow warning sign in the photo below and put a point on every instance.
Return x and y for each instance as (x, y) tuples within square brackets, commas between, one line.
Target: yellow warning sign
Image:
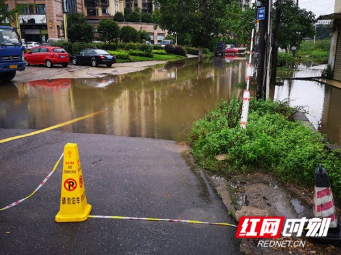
[(73, 202)]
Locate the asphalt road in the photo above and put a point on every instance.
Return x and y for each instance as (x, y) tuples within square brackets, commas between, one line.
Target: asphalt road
[(39, 72), (123, 176)]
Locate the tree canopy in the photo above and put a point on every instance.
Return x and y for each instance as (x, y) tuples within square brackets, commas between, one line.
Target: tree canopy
[(195, 17), (296, 24), (119, 17), (237, 24), (79, 30), (129, 34), (143, 35), (109, 30)]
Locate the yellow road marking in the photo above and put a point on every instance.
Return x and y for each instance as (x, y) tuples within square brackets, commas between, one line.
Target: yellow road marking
[(49, 128)]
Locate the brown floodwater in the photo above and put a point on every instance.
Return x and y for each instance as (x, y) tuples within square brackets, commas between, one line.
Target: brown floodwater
[(322, 102), (160, 102)]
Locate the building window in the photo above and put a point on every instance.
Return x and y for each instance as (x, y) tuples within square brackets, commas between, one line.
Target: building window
[(92, 12), (24, 10), (105, 11), (40, 9), (31, 9), (129, 4), (147, 6), (157, 5), (135, 4), (70, 6)]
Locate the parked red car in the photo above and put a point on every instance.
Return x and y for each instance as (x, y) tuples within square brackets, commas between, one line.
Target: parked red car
[(232, 50), (47, 55)]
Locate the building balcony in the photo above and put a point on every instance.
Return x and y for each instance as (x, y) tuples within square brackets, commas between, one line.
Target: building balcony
[(92, 3), (104, 3)]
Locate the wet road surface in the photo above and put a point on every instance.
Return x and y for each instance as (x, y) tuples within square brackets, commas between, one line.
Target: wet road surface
[(123, 176)]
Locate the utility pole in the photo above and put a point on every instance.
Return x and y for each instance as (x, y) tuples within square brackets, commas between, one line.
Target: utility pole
[(263, 26), (278, 6)]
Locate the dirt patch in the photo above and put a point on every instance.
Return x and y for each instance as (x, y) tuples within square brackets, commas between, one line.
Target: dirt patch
[(263, 195)]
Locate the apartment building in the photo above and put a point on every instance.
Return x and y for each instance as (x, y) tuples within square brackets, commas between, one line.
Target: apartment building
[(43, 19), (96, 10)]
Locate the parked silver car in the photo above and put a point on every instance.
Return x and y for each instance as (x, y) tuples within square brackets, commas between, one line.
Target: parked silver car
[(30, 45)]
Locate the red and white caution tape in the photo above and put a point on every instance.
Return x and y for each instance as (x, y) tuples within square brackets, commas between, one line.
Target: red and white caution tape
[(246, 96), (165, 220), (249, 69), (40, 185)]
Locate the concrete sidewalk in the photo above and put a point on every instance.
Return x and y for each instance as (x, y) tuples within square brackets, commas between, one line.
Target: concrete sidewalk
[(123, 176)]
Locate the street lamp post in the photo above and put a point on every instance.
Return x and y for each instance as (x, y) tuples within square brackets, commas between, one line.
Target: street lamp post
[(65, 26), (17, 24)]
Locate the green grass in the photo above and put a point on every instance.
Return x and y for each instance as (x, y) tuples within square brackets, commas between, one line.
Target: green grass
[(271, 143), (122, 57), (317, 52)]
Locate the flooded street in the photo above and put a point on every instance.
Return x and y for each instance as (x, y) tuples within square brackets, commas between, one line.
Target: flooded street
[(160, 102), (322, 102)]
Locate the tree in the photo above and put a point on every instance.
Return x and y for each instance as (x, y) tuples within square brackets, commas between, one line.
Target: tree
[(147, 18), (195, 17), (133, 17), (129, 34), (7, 17), (5, 14), (118, 17), (109, 30), (296, 24), (79, 30), (143, 35), (323, 32), (127, 13), (237, 24)]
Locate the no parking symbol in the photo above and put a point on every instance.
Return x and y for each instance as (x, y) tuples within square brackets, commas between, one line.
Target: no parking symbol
[(70, 184)]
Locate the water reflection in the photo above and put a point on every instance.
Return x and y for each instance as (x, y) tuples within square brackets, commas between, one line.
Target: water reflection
[(321, 101), (160, 102)]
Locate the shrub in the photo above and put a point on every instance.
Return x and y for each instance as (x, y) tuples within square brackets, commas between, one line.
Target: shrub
[(193, 51), (177, 50), (157, 47), (270, 142), (285, 59), (133, 17), (145, 47), (63, 44), (121, 45), (78, 46), (120, 54), (159, 52), (129, 34), (319, 56), (168, 48), (119, 17), (131, 46), (140, 53), (147, 18)]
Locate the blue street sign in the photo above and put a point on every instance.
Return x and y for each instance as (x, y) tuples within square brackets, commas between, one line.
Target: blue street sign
[(261, 13)]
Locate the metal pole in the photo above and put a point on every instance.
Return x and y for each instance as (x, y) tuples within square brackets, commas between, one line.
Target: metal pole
[(276, 39), (269, 51), (65, 26), (17, 24), (261, 53)]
